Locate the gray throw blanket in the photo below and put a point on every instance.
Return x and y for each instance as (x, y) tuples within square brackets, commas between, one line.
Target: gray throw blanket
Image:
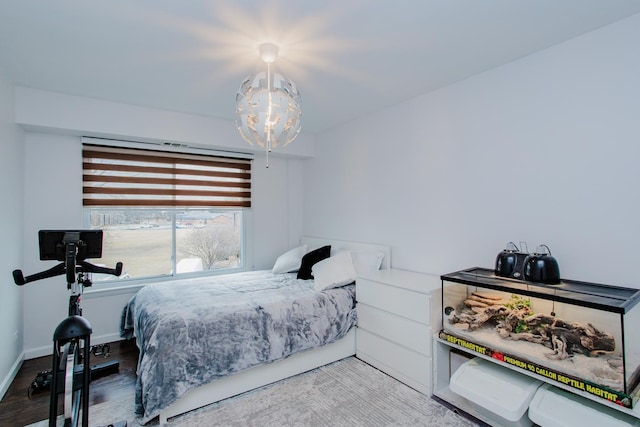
[(193, 331)]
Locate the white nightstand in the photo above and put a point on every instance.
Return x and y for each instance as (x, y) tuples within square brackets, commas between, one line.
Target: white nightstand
[(397, 316)]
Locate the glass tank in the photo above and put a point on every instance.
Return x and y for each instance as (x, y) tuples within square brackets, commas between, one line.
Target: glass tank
[(583, 335)]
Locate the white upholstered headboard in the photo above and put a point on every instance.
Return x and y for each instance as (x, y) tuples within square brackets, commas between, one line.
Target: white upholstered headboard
[(316, 242)]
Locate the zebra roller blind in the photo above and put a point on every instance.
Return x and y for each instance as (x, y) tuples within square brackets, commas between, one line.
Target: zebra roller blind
[(116, 176)]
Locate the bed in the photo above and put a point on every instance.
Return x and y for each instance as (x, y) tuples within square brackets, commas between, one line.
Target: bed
[(202, 340)]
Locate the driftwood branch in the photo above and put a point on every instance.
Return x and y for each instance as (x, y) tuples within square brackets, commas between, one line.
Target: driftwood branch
[(515, 321)]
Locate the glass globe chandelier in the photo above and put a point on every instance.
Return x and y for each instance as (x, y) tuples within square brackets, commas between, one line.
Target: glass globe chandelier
[(268, 106)]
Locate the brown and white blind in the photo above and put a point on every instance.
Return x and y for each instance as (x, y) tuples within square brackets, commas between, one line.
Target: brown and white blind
[(121, 177)]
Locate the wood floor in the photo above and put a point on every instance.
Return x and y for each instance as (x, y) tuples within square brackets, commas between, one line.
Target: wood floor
[(17, 409)]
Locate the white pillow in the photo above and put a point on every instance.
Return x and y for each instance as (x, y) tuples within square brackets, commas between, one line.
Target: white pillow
[(367, 261), (289, 261), (334, 271)]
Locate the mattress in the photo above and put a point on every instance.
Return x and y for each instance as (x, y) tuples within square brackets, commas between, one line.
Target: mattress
[(193, 331)]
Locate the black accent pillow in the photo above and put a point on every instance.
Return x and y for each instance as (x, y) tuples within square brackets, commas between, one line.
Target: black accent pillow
[(310, 258)]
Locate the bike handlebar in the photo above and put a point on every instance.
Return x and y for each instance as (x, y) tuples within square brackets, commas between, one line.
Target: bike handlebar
[(20, 280), (91, 268), (82, 266), (18, 277)]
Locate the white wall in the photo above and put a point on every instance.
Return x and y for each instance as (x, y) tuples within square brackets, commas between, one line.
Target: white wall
[(11, 191), (53, 199), (45, 111), (542, 150)]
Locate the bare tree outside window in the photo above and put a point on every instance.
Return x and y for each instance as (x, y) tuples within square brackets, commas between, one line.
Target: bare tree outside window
[(214, 245), (145, 240)]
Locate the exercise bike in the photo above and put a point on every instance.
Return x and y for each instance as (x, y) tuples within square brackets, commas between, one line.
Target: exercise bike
[(71, 373)]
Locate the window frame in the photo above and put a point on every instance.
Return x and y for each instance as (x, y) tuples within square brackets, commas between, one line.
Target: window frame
[(134, 283), (116, 283)]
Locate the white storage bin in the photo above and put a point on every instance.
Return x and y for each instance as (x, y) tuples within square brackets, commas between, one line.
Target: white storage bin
[(555, 407), (496, 392)]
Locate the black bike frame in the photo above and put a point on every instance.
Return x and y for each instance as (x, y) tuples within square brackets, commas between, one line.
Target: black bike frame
[(72, 250)]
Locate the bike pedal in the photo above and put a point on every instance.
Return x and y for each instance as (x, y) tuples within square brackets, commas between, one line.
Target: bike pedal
[(42, 380), (101, 350)]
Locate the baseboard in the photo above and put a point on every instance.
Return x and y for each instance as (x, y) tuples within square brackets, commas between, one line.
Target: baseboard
[(4, 386), (105, 338), (38, 352), (48, 350)]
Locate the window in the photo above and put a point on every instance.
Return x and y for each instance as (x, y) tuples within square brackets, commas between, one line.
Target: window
[(166, 213)]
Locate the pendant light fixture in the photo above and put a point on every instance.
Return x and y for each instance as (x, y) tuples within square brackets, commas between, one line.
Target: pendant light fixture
[(268, 106)]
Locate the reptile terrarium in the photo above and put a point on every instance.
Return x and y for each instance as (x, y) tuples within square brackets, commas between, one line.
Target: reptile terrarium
[(579, 334)]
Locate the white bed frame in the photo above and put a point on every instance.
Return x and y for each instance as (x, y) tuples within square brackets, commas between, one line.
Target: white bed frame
[(295, 364)]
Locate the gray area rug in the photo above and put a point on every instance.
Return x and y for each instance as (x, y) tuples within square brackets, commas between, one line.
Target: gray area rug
[(344, 393)]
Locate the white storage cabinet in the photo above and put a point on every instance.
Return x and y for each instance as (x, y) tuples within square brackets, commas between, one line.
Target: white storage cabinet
[(397, 317)]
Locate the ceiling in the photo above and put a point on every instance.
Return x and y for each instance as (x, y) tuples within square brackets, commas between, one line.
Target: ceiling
[(348, 57)]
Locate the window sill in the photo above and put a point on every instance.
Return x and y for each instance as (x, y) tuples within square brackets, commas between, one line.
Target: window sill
[(107, 292), (107, 289)]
